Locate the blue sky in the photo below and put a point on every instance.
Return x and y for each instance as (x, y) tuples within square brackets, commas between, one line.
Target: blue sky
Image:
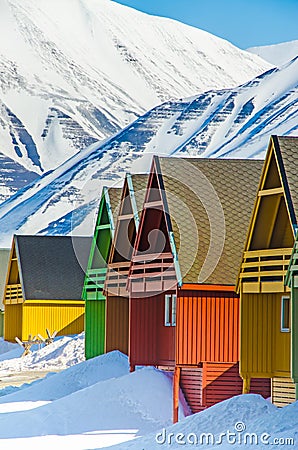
[(244, 23)]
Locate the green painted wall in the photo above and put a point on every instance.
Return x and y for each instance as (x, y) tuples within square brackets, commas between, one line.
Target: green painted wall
[(95, 303), (95, 328)]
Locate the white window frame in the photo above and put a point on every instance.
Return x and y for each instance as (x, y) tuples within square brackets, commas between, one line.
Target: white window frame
[(283, 329), (170, 310), (174, 307)]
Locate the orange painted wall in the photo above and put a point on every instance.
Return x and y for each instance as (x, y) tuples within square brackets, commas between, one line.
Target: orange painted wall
[(207, 327)]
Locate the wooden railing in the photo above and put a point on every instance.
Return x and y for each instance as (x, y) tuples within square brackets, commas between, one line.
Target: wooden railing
[(96, 278), (13, 294), (265, 268), (152, 273), (116, 279)]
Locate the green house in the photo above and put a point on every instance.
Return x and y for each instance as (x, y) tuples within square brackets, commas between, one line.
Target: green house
[(291, 319), (95, 301)]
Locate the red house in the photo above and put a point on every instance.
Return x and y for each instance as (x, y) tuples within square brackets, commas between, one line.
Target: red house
[(117, 300), (184, 313)]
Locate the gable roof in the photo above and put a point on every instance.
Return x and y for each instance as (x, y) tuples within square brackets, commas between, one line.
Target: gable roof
[(52, 267), (286, 149), (209, 202)]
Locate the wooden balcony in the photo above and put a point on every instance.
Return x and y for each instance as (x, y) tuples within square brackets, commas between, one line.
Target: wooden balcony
[(95, 278), (154, 273), (13, 294), (116, 279), (265, 270)]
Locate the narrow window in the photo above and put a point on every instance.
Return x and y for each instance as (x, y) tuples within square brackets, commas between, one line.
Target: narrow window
[(174, 301), (285, 314), (167, 310)]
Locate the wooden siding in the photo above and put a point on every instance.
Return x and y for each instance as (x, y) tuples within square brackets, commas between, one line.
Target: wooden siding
[(95, 324), (191, 379), (264, 349), (151, 342), (283, 391), (215, 382), (117, 325), (207, 327), (64, 318), (13, 322)]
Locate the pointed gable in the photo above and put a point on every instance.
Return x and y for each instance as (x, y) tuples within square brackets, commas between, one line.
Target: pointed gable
[(272, 227), (209, 202)]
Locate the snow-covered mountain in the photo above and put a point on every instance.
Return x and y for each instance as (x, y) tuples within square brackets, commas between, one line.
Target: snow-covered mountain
[(73, 72), (277, 54), (226, 123)]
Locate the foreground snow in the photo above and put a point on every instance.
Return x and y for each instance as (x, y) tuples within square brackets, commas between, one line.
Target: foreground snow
[(98, 404)]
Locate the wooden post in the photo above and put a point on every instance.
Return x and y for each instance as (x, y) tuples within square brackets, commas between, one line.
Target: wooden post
[(176, 381), (132, 368), (246, 386)]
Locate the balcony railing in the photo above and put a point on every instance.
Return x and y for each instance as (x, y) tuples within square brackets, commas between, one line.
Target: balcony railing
[(152, 273), (265, 270), (13, 294), (116, 279)]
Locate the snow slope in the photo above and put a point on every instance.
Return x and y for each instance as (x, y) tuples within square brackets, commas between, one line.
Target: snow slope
[(74, 72), (277, 54), (239, 415), (221, 123)]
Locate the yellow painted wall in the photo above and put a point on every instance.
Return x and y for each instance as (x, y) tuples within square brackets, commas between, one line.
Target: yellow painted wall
[(33, 318), (264, 349), (65, 318), (13, 322)]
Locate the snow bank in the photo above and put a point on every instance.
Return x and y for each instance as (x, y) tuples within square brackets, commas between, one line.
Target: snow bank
[(138, 403), (64, 352), (55, 386), (229, 423), (6, 347)]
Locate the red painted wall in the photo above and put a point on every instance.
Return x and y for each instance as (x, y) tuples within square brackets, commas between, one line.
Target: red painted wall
[(150, 341)]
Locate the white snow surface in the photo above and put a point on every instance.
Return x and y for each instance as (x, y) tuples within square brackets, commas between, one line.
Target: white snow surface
[(75, 72), (7, 346), (62, 353), (98, 403), (277, 54), (233, 123)]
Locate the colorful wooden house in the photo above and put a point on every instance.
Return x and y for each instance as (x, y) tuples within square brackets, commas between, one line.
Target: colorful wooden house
[(4, 258), (291, 319), (117, 313), (44, 285), (265, 329), (95, 301), (184, 312)]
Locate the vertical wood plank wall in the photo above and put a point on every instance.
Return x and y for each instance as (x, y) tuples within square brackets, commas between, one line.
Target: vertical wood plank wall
[(95, 324), (207, 327), (151, 342), (264, 349), (117, 323)]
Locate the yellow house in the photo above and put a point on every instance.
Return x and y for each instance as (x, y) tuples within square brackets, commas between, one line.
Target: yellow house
[(265, 328), (44, 284)]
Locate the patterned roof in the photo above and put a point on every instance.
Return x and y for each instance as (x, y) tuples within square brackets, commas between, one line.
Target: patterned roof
[(139, 182), (210, 202), (115, 199), (287, 149), (52, 267)]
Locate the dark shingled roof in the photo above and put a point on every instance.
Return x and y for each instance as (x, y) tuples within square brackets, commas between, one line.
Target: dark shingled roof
[(52, 267), (287, 149), (221, 190)]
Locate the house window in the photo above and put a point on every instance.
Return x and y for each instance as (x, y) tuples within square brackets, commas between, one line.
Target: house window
[(285, 314), (170, 310)]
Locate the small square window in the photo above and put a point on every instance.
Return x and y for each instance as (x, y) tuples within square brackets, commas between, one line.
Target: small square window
[(285, 314)]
